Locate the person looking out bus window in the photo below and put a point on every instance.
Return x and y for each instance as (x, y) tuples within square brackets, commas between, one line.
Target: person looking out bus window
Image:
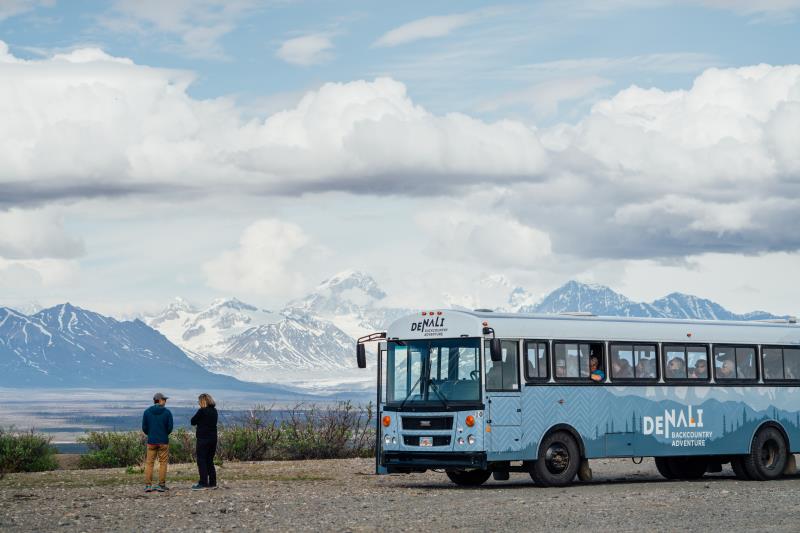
[(700, 370), (595, 372), (726, 369), (676, 368)]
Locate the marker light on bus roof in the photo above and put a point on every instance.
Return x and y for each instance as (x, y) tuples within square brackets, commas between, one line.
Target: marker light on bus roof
[(470, 421), (424, 313), (386, 421), (485, 323), (438, 312)]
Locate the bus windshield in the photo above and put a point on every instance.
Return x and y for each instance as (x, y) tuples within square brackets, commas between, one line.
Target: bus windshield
[(436, 371)]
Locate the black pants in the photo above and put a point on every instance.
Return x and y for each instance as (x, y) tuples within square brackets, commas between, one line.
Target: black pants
[(206, 448)]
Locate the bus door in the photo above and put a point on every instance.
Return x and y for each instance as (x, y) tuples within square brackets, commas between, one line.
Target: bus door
[(381, 401), (503, 401)]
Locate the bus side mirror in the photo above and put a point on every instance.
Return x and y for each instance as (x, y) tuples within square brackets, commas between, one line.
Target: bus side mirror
[(361, 355), (496, 350)]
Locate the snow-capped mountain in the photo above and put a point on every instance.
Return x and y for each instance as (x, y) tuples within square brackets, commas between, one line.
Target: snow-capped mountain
[(311, 339), (66, 346), (207, 330), (601, 300)]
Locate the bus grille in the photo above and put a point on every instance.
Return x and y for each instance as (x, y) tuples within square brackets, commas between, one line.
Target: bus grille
[(427, 422), (413, 440)]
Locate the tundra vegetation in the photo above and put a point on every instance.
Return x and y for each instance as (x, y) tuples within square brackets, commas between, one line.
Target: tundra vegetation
[(25, 451), (337, 431)]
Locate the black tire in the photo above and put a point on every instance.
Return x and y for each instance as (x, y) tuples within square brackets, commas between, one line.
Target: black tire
[(664, 467), (688, 467), (768, 455), (468, 478), (558, 461), (737, 464)]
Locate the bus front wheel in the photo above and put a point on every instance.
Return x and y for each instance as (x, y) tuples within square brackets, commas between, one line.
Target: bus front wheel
[(768, 455), (558, 460), (468, 478)]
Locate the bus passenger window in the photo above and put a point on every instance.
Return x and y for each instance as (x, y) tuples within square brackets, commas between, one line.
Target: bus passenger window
[(536, 360), (698, 362), (745, 363), (773, 363), (622, 363), (791, 363), (735, 362), (645, 361), (675, 358)]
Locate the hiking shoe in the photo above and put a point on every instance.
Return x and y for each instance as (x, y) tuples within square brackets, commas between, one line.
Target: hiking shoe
[(198, 486), (161, 488), (212, 487), (148, 488)]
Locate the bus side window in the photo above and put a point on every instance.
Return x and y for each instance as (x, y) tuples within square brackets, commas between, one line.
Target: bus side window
[(772, 362), (536, 360), (675, 362), (697, 362), (791, 363), (735, 362), (745, 363)]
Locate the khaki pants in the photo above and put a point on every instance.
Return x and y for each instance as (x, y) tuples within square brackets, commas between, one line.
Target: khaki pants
[(162, 450)]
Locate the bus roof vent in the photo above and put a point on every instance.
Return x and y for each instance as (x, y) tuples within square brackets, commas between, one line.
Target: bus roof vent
[(577, 313), (787, 320), (482, 310)]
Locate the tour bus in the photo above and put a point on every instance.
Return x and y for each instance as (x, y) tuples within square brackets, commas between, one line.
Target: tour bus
[(480, 394)]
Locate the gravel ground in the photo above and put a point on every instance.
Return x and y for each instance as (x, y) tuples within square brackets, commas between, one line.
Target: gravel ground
[(343, 495)]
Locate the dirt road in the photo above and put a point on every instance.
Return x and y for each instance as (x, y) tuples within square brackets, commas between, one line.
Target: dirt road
[(344, 496)]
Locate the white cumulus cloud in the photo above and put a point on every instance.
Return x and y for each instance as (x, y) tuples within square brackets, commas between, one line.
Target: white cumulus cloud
[(263, 263)]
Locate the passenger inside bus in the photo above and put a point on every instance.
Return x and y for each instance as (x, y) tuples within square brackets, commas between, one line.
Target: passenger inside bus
[(621, 368), (596, 373), (646, 368), (676, 368), (700, 370), (725, 369)]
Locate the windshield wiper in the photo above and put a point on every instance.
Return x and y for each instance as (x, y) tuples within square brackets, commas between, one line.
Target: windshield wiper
[(439, 394), (410, 392)]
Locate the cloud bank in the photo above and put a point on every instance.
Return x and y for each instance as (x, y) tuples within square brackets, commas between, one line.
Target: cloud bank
[(647, 173)]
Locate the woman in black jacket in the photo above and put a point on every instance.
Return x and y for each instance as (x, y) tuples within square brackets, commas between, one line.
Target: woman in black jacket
[(206, 421)]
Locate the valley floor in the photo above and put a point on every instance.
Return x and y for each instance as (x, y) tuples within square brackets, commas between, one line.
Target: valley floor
[(344, 495)]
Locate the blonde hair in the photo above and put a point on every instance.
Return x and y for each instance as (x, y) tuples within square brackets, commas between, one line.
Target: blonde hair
[(207, 399)]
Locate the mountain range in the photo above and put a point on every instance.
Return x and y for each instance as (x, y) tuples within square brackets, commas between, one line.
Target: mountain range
[(308, 343), (66, 346)]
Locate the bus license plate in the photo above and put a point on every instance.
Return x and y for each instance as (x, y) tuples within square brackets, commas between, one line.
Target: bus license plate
[(426, 441)]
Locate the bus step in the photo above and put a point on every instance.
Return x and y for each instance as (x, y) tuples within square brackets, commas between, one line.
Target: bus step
[(500, 476)]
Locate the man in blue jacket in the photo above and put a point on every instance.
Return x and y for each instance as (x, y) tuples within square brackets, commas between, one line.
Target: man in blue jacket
[(157, 425)]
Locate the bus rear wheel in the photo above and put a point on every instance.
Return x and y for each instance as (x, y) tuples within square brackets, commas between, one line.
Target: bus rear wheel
[(468, 478), (682, 467), (558, 460), (664, 467), (768, 455)]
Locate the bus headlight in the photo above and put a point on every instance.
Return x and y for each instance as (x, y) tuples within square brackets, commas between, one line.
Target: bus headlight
[(387, 439), (461, 440), (471, 439)]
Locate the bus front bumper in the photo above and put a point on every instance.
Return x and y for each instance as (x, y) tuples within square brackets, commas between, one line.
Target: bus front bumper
[(403, 462)]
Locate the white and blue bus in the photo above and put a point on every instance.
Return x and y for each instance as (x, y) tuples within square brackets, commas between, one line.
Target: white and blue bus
[(479, 393)]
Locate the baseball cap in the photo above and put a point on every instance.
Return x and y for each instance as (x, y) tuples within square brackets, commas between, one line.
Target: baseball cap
[(157, 397)]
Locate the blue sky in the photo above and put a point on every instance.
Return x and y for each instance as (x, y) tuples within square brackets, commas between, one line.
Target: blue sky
[(154, 147)]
